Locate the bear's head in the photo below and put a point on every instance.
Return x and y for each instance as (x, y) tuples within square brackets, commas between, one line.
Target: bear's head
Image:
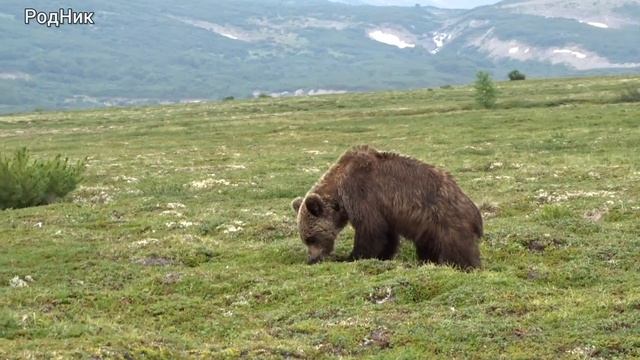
[(319, 222)]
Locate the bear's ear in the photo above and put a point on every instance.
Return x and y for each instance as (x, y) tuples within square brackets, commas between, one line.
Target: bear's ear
[(295, 204), (314, 204)]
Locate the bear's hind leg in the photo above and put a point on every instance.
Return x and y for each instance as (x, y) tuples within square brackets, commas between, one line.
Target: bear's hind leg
[(391, 246), (450, 247)]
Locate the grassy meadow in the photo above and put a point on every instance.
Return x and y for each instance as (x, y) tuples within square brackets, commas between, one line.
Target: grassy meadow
[(181, 243)]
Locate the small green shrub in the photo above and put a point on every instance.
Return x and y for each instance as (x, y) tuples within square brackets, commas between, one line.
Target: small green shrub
[(153, 186), (486, 92), (25, 182), (9, 325), (631, 93), (516, 75), (553, 213)]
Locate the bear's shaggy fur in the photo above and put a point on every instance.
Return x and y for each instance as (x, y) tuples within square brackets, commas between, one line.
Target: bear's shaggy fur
[(385, 195)]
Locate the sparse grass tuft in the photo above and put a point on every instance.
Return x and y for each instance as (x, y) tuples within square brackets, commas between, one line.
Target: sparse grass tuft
[(551, 213)]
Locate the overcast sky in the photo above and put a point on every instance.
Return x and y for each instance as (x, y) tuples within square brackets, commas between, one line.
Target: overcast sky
[(455, 4), (462, 4)]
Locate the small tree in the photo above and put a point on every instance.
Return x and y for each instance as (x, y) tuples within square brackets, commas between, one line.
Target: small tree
[(486, 92), (25, 182), (516, 75)]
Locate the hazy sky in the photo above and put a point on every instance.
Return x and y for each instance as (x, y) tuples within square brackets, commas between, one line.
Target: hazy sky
[(456, 4), (462, 3)]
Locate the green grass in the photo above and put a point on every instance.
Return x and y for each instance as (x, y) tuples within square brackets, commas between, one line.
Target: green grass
[(181, 243)]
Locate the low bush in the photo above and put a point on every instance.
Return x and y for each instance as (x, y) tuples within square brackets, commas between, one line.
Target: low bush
[(630, 93), (516, 75), (25, 182)]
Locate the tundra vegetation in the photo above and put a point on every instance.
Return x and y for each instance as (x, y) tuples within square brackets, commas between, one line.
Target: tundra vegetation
[(180, 241)]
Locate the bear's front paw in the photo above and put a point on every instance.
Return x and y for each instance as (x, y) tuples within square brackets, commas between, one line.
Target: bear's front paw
[(348, 258)]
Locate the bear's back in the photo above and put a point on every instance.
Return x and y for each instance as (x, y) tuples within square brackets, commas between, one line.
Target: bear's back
[(411, 194)]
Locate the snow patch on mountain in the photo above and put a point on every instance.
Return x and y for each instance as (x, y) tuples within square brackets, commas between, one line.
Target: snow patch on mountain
[(389, 39), (299, 92), (7, 16), (225, 31), (273, 35), (232, 37), (598, 13), (577, 54), (16, 75), (301, 23), (439, 39), (571, 55), (596, 24)]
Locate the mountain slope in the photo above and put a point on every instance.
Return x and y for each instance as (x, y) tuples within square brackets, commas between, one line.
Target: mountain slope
[(160, 51)]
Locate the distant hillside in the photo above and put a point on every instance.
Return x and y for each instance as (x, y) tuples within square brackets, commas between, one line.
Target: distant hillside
[(160, 51)]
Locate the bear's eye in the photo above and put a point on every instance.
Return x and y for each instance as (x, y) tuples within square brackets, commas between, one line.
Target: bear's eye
[(311, 240)]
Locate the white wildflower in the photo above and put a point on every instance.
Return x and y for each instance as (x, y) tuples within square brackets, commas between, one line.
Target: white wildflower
[(171, 213), (127, 179), (180, 224), (185, 223), (208, 183), (544, 196), (231, 228), (16, 282), (314, 152), (583, 351), (176, 206), (144, 242)]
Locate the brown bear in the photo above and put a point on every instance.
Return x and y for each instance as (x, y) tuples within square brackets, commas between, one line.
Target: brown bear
[(386, 195)]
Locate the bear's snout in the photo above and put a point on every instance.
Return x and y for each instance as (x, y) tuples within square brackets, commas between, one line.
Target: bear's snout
[(316, 254)]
